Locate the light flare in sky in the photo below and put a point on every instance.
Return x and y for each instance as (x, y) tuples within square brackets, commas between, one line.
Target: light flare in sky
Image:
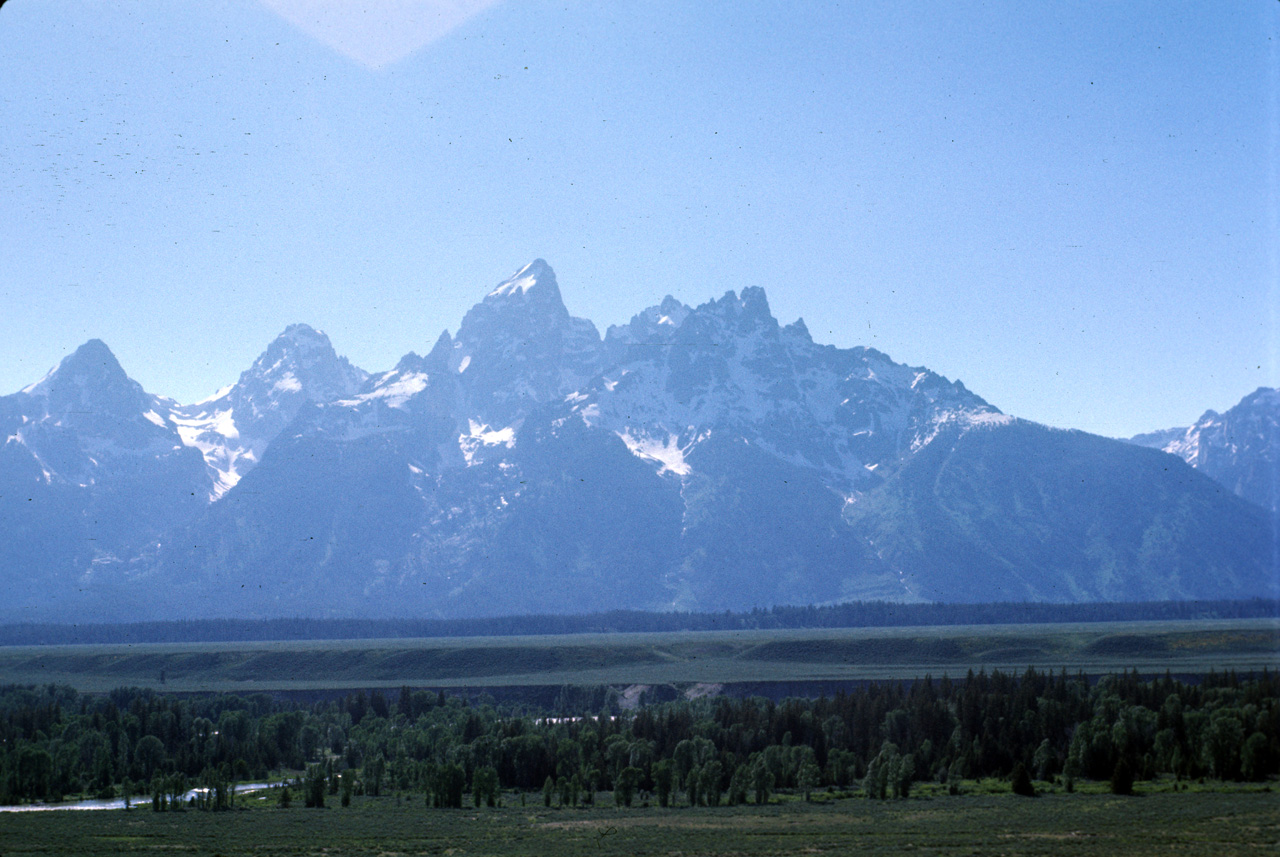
[(378, 33)]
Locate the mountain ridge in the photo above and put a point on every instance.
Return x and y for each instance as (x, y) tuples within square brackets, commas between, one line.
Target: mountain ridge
[(695, 458), (1239, 448)]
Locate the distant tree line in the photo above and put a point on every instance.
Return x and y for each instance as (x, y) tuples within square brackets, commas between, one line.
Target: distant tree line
[(880, 738), (858, 614)]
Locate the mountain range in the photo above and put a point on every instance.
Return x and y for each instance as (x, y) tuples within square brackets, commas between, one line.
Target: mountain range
[(1239, 448), (702, 458)]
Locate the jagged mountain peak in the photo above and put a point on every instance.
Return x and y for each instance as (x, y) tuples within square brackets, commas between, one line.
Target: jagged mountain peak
[(89, 381), (673, 311), (89, 442), (519, 347), (95, 350), (301, 361), (525, 306), (754, 301), (304, 337), (233, 427), (92, 360), (299, 346), (746, 310), (1240, 447), (654, 325), (413, 362), (535, 281), (712, 459), (441, 351), (798, 329)]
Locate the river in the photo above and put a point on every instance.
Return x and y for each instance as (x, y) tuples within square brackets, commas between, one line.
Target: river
[(118, 803)]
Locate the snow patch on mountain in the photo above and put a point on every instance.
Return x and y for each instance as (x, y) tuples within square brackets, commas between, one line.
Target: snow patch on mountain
[(523, 280), (479, 435), (964, 420), (394, 389), (288, 383), (728, 365), (665, 451), (215, 434), (233, 428), (218, 394)]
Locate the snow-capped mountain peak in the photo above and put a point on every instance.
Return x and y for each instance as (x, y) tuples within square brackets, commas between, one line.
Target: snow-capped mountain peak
[(1240, 447), (534, 277), (652, 326), (305, 337), (301, 353), (232, 429), (699, 458), (728, 369), (87, 414), (520, 347), (108, 451), (89, 379)]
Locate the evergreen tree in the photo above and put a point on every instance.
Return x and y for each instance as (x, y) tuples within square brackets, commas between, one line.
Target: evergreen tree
[(373, 775), (739, 784), (761, 781), (625, 789), (315, 787), (712, 774), (662, 776), (693, 785), (1122, 778), (451, 782), (808, 778), (904, 772), (485, 785), (1020, 781)]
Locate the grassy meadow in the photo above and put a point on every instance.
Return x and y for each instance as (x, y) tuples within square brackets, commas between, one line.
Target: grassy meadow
[(1213, 823)]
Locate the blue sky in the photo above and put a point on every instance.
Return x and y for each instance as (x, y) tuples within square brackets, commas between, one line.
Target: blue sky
[(1070, 207)]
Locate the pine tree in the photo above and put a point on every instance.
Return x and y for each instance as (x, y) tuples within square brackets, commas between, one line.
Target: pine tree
[(1122, 778), (1020, 781), (662, 782), (315, 787)]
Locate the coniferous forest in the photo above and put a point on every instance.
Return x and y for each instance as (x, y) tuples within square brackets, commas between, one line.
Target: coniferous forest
[(876, 740)]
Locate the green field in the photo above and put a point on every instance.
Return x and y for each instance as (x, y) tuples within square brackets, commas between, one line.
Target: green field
[(1214, 823), (681, 659)]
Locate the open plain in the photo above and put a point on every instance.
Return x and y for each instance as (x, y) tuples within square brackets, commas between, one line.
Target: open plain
[(1213, 823), (685, 658)]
